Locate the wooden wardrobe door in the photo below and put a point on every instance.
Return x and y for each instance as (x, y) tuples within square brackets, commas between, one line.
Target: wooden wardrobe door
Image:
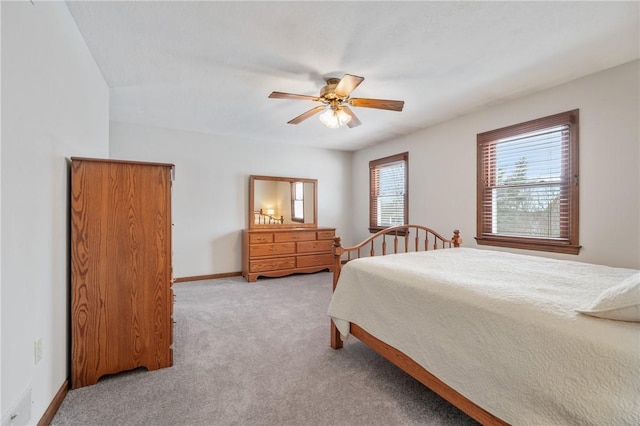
[(121, 297)]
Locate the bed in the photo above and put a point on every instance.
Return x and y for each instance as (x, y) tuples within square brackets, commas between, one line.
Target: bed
[(261, 218), (497, 334)]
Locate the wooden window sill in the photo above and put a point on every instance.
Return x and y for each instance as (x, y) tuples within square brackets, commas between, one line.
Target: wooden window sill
[(527, 244)]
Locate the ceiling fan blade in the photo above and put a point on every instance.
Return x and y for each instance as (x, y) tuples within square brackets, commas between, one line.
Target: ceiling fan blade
[(354, 120), (347, 84), (377, 103), (306, 115), (282, 95)]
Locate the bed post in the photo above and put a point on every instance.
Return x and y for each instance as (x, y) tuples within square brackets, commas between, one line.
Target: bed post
[(336, 341), (456, 238)]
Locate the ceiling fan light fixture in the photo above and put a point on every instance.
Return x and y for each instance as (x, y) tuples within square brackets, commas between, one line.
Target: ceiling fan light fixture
[(334, 118), (336, 101)]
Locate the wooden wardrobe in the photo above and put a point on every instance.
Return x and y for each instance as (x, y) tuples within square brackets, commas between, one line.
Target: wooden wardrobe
[(121, 271)]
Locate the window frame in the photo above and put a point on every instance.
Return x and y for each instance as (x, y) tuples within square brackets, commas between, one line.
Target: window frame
[(377, 164), (568, 243)]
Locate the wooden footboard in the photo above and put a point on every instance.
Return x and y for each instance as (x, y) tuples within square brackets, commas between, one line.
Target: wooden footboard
[(403, 239), (416, 371)]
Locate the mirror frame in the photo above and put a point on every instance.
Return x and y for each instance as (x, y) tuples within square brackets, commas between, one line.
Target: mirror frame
[(253, 225)]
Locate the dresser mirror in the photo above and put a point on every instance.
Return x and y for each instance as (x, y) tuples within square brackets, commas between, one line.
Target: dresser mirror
[(282, 202)]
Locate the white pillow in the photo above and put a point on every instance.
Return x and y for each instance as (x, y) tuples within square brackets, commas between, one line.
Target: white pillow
[(620, 302)]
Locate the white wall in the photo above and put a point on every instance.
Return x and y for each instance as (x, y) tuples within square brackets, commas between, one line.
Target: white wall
[(442, 165), (211, 189), (1, 406), (55, 105)]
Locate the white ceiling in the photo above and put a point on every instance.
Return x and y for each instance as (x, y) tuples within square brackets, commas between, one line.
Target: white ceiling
[(210, 66)]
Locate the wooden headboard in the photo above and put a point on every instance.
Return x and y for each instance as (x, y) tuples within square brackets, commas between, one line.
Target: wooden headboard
[(392, 240), (261, 218)]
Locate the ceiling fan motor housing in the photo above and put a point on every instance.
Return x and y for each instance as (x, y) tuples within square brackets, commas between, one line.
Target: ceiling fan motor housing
[(328, 92)]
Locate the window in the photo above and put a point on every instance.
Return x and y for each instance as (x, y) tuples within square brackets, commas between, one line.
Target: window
[(297, 202), (528, 185), (388, 191)]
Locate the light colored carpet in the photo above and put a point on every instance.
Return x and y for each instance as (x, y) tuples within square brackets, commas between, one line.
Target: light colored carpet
[(259, 354)]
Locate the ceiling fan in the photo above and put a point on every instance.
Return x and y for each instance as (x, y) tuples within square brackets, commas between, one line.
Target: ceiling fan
[(335, 99)]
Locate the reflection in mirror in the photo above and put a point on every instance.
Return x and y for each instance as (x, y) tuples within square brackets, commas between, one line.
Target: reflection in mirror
[(282, 202)]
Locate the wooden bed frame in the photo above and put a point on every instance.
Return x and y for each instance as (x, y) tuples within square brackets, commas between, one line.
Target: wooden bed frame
[(404, 238), (261, 218)]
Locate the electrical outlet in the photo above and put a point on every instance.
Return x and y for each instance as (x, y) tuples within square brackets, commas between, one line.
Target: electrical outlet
[(20, 412), (37, 350)]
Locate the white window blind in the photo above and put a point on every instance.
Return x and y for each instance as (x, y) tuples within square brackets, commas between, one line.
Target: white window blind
[(388, 198), (523, 194), (297, 201)]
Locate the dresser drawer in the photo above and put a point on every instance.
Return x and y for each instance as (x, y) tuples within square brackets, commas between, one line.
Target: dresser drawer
[(294, 236), (315, 246), (278, 251), (260, 238), (317, 260), (273, 264), (326, 235), (271, 249)]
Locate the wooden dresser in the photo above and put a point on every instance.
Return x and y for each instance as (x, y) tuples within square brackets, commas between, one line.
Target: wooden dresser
[(279, 252), (121, 273)]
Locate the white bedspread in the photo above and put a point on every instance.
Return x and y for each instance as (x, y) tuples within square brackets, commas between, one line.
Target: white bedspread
[(502, 330)]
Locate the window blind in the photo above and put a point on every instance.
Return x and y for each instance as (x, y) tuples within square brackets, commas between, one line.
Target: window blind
[(526, 179), (297, 201), (388, 196)]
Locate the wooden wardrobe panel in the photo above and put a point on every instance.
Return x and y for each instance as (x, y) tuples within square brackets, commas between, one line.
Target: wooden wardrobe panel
[(121, 297)]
